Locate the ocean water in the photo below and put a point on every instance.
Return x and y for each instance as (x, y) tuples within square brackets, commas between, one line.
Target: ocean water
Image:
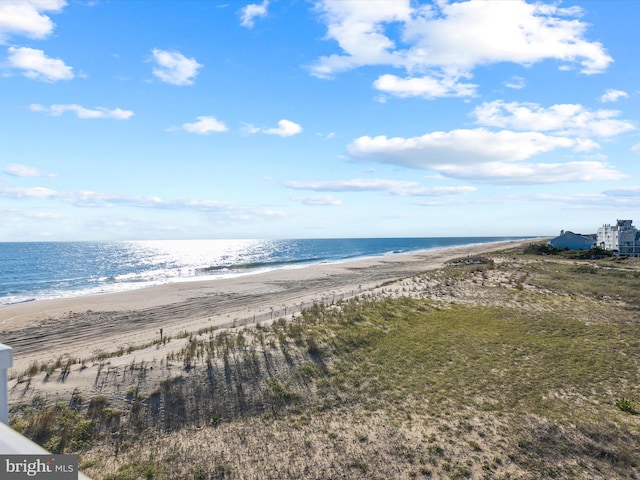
[(32, 271)]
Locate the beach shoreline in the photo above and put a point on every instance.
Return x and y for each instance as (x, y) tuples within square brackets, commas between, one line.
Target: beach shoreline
[(80, 327), (120, 267), (428, 350)]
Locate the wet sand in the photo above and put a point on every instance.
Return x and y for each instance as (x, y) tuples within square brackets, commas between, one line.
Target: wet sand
[(83, 326)]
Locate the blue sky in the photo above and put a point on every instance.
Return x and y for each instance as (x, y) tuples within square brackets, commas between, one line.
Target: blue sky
[(129, 119)]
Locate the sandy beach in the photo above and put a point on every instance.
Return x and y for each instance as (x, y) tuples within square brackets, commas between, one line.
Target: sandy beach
[(85, 326), (92, 344), (426, 372)]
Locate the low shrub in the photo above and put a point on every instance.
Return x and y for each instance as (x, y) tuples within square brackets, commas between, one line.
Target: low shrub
[(626, 405)]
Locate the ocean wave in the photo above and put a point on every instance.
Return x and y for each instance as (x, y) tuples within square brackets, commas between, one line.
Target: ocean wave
[(46, 270), (16, 300), (256, 265)]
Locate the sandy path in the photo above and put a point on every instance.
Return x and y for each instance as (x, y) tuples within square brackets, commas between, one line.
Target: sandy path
[(83, 326)]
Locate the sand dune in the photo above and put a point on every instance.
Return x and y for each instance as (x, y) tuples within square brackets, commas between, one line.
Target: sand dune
[(83, 326)]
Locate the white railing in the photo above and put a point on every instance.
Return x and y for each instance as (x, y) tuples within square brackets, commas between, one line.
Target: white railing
[(6, 361), (11, 442)]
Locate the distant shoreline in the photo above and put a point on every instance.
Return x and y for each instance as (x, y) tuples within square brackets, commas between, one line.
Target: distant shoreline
[(225, 271), (442, 351), (76, 327)]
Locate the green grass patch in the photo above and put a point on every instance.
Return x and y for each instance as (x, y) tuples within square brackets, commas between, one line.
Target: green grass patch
[(543, 376), (492, 357), (599, 279)]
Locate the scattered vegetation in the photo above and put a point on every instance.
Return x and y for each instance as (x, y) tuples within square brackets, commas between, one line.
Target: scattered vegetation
[(627, 406), (506, 366), (588, 254), (542, 249)]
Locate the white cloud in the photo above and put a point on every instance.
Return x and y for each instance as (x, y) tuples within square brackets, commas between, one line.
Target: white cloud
[(516, 83), (36, 65), (250, 12), (611, 96), (359, 31), (582, 201), (327, 136), (394, 187), (249, 129), (486, 32), (355, 185), (489, 32), (636, 148), (17, 170), (44, 215), (318, 200), (205, 125), (174, 67), (563, 119), (443, 191), (286, 128), (424, 86), (457, 146), (82, 112), (619, 197), (90, 199), (532, 173), (32, 192), (485, 156), (26, 18), (623, 192)]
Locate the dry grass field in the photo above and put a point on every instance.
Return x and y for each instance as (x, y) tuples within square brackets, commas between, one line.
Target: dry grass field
[(508, 366)]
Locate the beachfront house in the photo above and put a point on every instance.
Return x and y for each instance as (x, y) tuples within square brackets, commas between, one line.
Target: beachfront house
[(622, 237), (573, 241)]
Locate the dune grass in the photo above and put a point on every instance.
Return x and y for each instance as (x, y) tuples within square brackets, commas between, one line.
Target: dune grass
[(539, 379), (488, 357)]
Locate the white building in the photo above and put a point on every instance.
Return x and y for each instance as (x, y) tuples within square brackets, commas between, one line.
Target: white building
[(621, 237)]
